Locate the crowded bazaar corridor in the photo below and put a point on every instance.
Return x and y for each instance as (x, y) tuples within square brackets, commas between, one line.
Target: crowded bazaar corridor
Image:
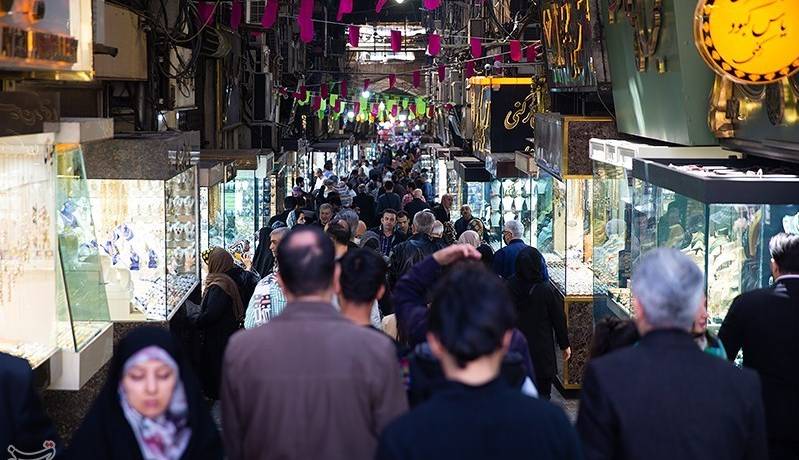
[(399, 229)]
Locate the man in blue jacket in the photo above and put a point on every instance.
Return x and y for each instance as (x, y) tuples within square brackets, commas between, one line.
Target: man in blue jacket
[(505, 259)]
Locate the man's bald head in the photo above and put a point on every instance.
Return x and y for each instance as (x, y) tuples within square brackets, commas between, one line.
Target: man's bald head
[(306, 258)]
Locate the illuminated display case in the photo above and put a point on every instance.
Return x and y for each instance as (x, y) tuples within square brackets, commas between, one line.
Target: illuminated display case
[(564, 192), (212, 204), (144, 196), (721, 213), (474, 190), (614, 212), (28, 310)]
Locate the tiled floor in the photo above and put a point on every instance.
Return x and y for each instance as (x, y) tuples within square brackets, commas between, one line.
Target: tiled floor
[(569, 406)]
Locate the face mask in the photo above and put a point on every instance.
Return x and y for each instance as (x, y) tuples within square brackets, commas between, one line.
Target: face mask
[(357, 241)]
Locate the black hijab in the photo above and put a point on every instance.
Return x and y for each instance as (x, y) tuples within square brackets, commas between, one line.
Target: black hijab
[(262, 260), (529, 273), (106, 433)]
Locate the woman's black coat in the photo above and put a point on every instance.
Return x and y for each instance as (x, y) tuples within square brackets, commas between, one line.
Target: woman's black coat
[(106, 433)]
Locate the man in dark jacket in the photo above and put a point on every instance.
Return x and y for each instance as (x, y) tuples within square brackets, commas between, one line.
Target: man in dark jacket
[(505, 259), (365, 205), (415, 248), (664, 398), (23, 424), (289, 203), (417, 204), (462, 224), (441, 210), (763, 323), (388, 200), (387, 232), (475, 414)]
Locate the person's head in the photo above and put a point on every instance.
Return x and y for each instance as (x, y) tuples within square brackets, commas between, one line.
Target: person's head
[(334, 199), (325, 213), (424, 177), (319, 172), (149, 379), (219, 260), (300, 202), (296, 192), (328, 165), (700, 322), (389, 219), (477, 226), (471, 238), (513, 230), (466, 211), (306, 258), (784, 249), (300, 181), (290, 202), (530, 265), (423, 222), (363, 273), (276, 237), (417, 194), (471, 317), (329, 184), (370, 240), (403, 223), (362, 189), (389, 186), (438, 229), (612, 333), (339, 231), (667, 289), (446, 201), (352, 219)]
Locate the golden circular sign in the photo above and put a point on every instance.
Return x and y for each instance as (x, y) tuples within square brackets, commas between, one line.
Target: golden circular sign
[(749, 41)]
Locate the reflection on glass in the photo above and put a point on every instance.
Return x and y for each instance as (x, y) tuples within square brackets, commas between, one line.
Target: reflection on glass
[(240, 208), (27, 258)]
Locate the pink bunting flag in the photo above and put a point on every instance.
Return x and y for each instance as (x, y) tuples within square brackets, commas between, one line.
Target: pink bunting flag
[(366, 84), (324, 90), (477, 47), (431, 111), (417, 78), (343, 88), (434, 44), (515, 50), (431, 4), (447, 106), (316, 102), (469, 72), (394, 110), (235, 14), (498, 58), (357, 108), (337, 106), (305, 20), (396, 41), (392, 80), (442, 72), (344, 7), (270, 14), (379, 6), (375, 109), (301, 94), (206, 11), (283, 91), (355, 36), (532, 53), (412, 108)]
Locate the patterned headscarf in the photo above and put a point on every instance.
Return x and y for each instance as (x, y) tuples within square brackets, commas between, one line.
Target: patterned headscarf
[(166, 436)]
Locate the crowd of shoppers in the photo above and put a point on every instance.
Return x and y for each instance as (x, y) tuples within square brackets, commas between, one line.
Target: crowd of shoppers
[(458, 361)]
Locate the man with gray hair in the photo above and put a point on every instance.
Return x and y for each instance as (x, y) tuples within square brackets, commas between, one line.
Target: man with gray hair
[(505, 259), (664, 398), (352, 219), (414, 249), (267, 300)]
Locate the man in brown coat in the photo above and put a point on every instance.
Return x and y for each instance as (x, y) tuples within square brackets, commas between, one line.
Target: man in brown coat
[(308, 384)]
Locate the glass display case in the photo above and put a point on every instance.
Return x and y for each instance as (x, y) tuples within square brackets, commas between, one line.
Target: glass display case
[(28, 311), (473, 189), (615, 210), (148, 240), (721, 213), (212, 204), (563, 211), (83, 304)]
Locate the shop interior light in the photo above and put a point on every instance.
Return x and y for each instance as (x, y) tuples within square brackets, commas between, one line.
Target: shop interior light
[(365, 94), (403, 116), (382, 106)]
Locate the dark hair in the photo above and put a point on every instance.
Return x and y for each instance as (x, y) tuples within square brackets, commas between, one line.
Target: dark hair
[(388, 211), (784, 248), (334, 199), (289, 202), (470, 313), (388, 185), (362, 274), (339, 230), (402, 214), (612, 333), (306, 268), (300, 201), (328, 165), (299, 180)]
